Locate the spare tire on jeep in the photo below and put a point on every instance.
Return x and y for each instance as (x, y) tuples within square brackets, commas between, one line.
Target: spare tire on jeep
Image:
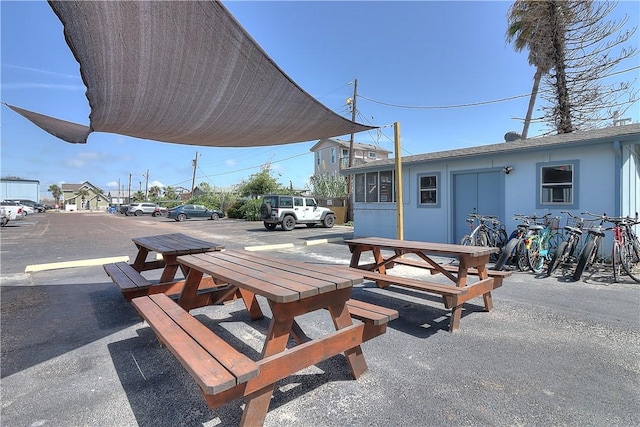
[(265, 211)]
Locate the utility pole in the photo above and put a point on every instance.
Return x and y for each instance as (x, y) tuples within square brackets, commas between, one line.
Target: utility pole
[(146, 187), (195, 166), (129, 188), (353, 119)]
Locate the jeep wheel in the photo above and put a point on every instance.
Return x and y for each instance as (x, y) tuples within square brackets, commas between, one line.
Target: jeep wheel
[(270, 225), (328, 221), (288, 223), (265, 211)]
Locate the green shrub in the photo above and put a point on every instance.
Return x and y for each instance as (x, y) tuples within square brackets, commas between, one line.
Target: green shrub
[(236, 210)]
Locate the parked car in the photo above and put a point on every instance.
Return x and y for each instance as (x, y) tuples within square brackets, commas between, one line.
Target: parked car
[(160, 211), (138, 209), (123, 209), (22, 209), (291, 210), (182, 212), (37, 207)]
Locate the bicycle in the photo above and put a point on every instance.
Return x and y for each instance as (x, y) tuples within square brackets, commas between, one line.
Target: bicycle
[(630, 250), (564, 253), (542, 241), (515, 249), (489, 232), (589, 253), (483, 234), (627, 248)]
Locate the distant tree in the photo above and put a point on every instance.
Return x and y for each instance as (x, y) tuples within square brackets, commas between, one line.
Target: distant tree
[(138, 196), (576, 49), (56, 192), (327, 186), (170, 193), (82, 194), (154, 192), (259, 183)]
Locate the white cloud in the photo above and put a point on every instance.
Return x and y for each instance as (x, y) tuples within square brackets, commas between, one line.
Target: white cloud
[(230, 162)]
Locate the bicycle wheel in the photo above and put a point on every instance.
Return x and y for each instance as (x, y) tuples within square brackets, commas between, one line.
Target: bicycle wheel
[(482, 239), (585, 258), (616, 264), (501, 238), (506, 253), (630, 260), (522, 256), (536, 262), (559, 255), (466, 240)]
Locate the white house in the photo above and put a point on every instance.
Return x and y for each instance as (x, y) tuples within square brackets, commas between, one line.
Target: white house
[(596, 171), (331, 155)]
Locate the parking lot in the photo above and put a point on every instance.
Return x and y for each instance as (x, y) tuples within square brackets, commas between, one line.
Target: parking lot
[(75, 353)]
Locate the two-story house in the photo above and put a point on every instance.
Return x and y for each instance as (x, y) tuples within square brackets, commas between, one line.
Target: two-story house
[(85, 196), (331, 155)]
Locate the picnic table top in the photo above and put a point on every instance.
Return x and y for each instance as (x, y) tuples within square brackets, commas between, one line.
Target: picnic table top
[(176, 244), (279, 280), (430, 247)]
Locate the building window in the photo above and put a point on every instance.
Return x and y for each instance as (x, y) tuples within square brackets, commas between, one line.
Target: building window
[(333, 155), (372, 155), (374, 187), (428, 188), (318, 158), (359, 187), (557, 184)]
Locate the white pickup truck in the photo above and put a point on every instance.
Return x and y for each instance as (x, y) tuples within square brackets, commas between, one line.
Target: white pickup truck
[(10, 212)]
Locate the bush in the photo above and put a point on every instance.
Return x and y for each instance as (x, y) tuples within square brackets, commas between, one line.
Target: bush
[(236, 210), (252, 209)]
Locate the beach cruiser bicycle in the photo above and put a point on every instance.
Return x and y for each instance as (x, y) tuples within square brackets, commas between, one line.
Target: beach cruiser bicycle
[(515, 251), (489, 232), (566, 252), (542, 241)]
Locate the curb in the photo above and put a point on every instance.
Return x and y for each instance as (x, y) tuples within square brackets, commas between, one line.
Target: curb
[(267, 247), (80, 263), (322, 241)]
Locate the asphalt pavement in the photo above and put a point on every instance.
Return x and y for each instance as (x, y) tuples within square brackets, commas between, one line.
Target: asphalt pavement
[(75, 353)]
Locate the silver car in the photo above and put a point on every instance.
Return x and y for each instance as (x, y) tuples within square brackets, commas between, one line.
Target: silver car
[(138, 209)]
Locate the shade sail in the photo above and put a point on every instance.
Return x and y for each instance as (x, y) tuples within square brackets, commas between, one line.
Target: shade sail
[(183, 72)]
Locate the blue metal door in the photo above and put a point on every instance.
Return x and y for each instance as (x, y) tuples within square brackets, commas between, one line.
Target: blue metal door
[(476, 192)]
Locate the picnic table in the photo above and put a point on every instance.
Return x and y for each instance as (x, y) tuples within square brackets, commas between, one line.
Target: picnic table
[(471, 261), (169, 247), (291, 289)]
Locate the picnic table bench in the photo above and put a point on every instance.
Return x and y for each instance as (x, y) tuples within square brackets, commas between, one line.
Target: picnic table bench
[(472, 260), (291, 289)]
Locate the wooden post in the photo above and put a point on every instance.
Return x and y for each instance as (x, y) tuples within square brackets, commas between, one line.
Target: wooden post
[(398, 183)]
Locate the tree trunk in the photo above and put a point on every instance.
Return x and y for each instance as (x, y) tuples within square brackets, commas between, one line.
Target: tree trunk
[(532, 101), (563, 113)]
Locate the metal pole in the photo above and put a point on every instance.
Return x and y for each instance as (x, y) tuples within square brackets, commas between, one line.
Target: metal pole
[(349, 185), (399, 202)]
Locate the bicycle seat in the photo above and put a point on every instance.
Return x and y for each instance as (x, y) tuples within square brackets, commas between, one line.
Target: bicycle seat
[(596, 232), (573, 229), (536, 227)]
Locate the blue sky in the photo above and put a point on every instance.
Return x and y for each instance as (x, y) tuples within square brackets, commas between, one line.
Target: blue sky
[(436, 54)]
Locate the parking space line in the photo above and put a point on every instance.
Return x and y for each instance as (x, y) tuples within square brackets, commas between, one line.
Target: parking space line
[(78, 263)]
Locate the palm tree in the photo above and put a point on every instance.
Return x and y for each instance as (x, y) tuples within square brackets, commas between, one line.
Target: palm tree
[(82, 193), (154, 192), (56, 192), (526, 29)]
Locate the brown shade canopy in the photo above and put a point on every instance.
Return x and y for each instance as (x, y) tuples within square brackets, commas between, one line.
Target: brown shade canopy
[(184, 72)]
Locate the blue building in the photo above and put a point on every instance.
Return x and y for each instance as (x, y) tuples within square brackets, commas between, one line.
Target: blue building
[(19, 189)]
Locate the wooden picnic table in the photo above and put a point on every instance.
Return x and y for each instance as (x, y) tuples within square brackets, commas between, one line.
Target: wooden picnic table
[(472, 261), (291, 289), (170, 247)]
